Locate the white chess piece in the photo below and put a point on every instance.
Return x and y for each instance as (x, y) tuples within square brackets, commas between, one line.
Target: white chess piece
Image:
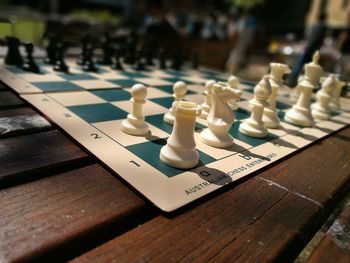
[(270, 117), (220, 117), (300, 113), (254, 126), (321, 108), (233, 83), (206, 105), (180, 151), (180, 90), (335, 100), (135, 123)]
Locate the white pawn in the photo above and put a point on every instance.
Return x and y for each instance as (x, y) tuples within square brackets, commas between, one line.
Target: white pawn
[(180, 90), (135, 123), (220, 117), (300, 113), (233, 83), (335, 101), (254, 126), (206, 105), (180, 150), (321, 108), (270, 117)]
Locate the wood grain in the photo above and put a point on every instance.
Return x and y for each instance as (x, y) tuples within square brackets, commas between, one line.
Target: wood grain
[(9, 100), (317, 172), (52, 213), (335, 245), (252, 223), (23, 155), (21, 121), (260, 221)]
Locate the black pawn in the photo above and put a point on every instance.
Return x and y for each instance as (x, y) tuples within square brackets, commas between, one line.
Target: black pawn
[(89, 65), (195, 60), (130, 51), (117, 64), (162, 59), (51, 51), (177, 59), (149, 57), (13, 56), (29, 63), (107, 51), (85, 43), (60, 65), (139, 63)]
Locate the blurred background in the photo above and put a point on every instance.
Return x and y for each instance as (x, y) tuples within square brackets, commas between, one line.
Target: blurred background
[(241, 36)]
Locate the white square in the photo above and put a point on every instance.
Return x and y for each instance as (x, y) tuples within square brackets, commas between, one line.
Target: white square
[(219, 153), (113, 130), (95, 84), (153, 81), (76, 98), (31, 77)]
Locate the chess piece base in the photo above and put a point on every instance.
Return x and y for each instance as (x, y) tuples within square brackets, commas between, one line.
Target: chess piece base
[(299, 116), (271, 119), (320, 114), (252, 130), (134, 127), (179, 157), (169, 118), (208, 137)]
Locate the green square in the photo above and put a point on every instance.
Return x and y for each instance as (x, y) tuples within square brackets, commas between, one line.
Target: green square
[(157, 121), (234, 131), (56, 86), (112, 94), (282, 106), (242, 114), (166, 102), (98, 112), (78, 76), (133, 75), (149, 152), (128, 83)]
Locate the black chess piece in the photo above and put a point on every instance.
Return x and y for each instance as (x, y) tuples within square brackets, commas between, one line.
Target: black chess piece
[(177, 59), (139, 62), (162, 59), (51, 51), (60, 65), (117, 64), (195, 60), (82, 59), (107, 51), (130, 51), (13, 56), (89, 65), (149, 56), (29, 63)]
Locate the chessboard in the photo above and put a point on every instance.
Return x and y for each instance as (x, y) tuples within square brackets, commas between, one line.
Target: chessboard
[(91, 106)]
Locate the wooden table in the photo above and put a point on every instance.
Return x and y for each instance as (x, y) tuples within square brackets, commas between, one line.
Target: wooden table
[(60, 203)]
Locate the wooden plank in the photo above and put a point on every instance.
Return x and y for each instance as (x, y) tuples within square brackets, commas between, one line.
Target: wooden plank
[(335, 245), (22, 155), (9, 100), (252, 223), (317, 173), (21, 121), (3, 86), (260, 221), (53, 213)]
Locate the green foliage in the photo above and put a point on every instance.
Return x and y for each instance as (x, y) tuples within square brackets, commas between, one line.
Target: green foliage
[(247, 4)]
